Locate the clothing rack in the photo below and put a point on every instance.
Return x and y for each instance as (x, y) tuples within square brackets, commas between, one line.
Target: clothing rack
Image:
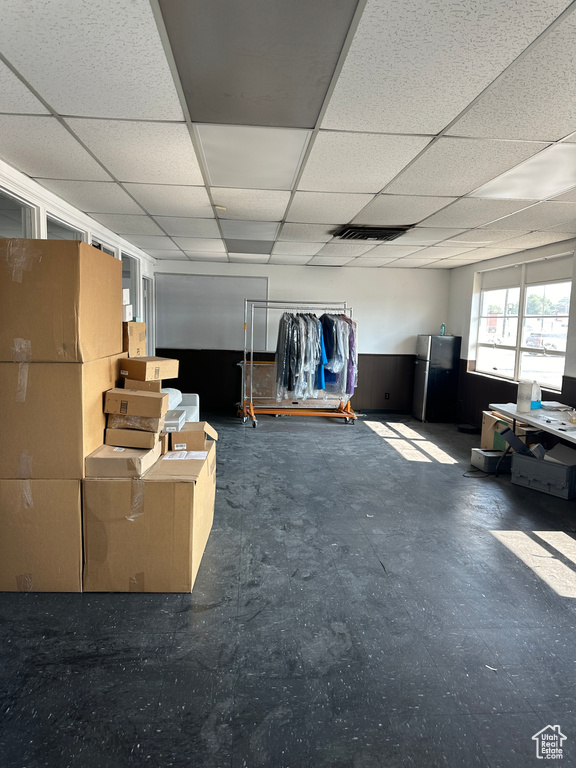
[(257, 397)]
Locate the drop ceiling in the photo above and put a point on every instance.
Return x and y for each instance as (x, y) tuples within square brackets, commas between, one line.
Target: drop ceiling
[(247, 131)]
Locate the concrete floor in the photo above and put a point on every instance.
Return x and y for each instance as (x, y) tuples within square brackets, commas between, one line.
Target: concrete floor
[(353, 609)]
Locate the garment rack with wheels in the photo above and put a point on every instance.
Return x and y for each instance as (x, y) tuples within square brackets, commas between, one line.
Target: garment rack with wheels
[(258, 377)]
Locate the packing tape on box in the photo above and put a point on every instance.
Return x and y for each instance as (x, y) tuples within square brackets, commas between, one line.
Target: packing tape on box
[(26, 491), (22, 385), (22, 351), (24, 469), (136, 583), (24, 582), (20, 257), (136, 500)]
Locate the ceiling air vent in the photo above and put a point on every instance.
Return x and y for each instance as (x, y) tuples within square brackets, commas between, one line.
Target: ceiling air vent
[(370, 233)]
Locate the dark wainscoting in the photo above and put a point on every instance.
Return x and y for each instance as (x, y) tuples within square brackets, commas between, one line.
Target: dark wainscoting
[(216, 377), (476, 392)]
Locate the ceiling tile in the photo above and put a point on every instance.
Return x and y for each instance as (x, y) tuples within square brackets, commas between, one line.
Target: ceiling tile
[(440, 252), (447, 264), (400, 210), (195, 244), (423, 61), (249, 230), (193, 256), (152, 241), (481, 235), (329, 261), (457, 166), (474, 212), (539, 216), (296, 249), (412, 263), (357, 248), (311, 233), (42, 147), (255, 62), (294, 261), (325, 207), (482, 254), (249, 258), (16, 97), (251, 157), (533, 240), (150, 153), (249, 246), (93, 196), (357, 162), (182, 226), (426, 235), (361, 261), (99, 58), (566, 197), (565, 229), (392, 251), (546, 174), (128, 224), (168, 200), (253, 204), (535, 99), (167, 255)]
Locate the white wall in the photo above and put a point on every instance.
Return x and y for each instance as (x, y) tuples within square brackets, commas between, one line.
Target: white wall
[(391, 306)]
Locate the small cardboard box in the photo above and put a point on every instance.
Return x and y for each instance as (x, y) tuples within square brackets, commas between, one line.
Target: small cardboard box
[(148, 535), (193, 436), (134, 402), (143, 386), (131, 438), (149, 368), (51, 416), (60, 301), (41, 541), (134, 338), (144, 423), (493, 423), (109, 461), (165, 443), (174, 420)]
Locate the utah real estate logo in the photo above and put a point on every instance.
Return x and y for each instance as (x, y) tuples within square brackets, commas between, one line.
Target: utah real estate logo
[(549, 743)]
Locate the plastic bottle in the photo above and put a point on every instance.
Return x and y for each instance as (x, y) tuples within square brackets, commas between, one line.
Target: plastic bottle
[(443, 330), (524, 398), (536, 401)]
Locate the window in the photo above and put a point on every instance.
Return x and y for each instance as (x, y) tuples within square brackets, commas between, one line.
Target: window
[(104, 248), (15, 218), (522, 331), (56, 230)]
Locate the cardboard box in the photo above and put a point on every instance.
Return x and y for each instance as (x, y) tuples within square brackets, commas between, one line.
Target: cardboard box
[(51, 416), (134, 402), (164, 443), (60, 301), (41, 541), (148, 535), (143, 386), (149, 368), (134, 339), (493, 423), (193, 436), (110, 461), (127, 313), (174, 420), (131, 438), (144, 423)]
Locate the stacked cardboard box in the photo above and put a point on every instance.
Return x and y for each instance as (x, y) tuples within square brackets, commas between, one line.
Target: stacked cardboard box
[(60, 347)]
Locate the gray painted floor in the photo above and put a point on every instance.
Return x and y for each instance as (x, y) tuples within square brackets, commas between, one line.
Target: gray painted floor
[(353, 609)]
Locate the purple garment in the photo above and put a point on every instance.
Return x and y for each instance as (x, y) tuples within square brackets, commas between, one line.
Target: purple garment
[(351, 378)]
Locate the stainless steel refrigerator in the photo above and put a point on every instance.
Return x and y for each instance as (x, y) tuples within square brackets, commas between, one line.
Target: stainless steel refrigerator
[(436, 377)]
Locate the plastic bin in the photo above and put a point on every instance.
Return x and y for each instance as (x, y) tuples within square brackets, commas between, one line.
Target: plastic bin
[(546, 476), (487, 461)]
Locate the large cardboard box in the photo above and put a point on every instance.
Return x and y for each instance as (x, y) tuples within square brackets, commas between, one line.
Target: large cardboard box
[(144, 423), (193, 436), (41, 541), (493, 423), (131, 438), (143, 386), (60, 301), (134, 402), (149, 368), (110, 461), (51, 416), (149, 535), (134, 338)]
